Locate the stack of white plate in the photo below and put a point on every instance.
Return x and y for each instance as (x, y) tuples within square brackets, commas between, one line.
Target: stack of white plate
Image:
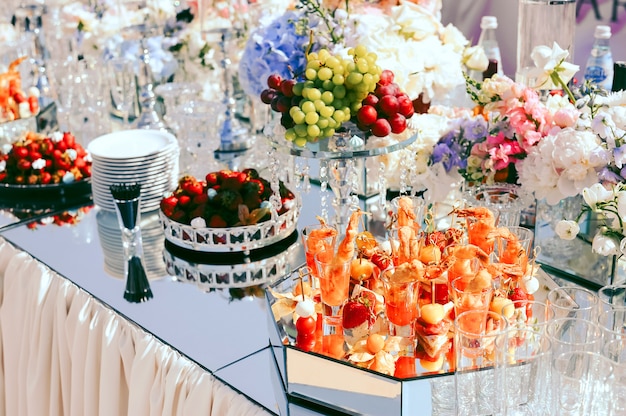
[(152, 237), (147, 157)]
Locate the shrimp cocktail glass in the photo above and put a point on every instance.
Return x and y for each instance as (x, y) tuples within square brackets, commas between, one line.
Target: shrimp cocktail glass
[(316, 238), (334, 279), (401, 291), (472, 292)]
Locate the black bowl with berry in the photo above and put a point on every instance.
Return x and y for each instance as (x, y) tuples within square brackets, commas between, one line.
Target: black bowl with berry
[(227, 211), (44, 169)]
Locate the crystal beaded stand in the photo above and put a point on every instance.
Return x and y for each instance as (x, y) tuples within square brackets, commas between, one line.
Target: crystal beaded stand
[(337, 155)]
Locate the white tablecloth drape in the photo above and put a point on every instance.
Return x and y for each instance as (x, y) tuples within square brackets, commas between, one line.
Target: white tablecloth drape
[(64, 353)]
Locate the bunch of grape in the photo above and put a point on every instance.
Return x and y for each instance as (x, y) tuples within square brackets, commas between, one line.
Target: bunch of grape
[(333, 90), (385, 110)]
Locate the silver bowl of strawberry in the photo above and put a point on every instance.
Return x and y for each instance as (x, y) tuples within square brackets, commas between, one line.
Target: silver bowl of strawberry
[(228, 211)]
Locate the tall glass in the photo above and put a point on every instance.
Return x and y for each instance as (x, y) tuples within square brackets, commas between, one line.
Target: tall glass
[(612, 296), (123, 86), (574, 334), (543, 22), (468, 296), (582, 384), (334, 279), (480, 374), (401, 291), (316, 238), (574, 302), (527, 356)]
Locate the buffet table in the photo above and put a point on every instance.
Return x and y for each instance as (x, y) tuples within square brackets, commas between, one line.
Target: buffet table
[(70, 338)]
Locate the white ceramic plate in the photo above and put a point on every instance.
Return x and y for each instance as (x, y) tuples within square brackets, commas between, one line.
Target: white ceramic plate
[(131, 144)]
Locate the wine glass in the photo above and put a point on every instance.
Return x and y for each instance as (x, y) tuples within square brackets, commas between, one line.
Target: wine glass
[(123, 86)]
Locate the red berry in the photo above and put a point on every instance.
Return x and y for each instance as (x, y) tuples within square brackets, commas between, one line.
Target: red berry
[(388, 104), (305, 325), (381, 128), (184, 200), (20, 151), (216, 221), (212, 179), (367, 115), (33, 104), (386, 77), (274, 81), (398, 123), (23, 164)]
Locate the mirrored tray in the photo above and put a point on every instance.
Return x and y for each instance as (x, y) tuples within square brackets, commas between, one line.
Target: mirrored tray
[(340, 385), (10, 194)]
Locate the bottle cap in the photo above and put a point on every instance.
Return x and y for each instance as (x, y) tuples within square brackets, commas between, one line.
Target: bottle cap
[(490, 22), (603, 32)]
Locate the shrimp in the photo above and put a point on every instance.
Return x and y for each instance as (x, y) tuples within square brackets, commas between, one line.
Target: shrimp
[(406, 214), (484, 222), (347, 247), (408, 245), (465, 260), (513, 252), (315, 241), (10, 80)]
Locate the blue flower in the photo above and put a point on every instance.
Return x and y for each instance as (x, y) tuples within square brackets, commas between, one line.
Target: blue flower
[(277, 48)]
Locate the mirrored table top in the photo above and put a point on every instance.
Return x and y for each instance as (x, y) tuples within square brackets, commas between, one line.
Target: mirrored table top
[(225, 331)]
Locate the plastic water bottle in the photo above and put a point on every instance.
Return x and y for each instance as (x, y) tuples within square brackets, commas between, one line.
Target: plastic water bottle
[(488, 41), (599, 69)]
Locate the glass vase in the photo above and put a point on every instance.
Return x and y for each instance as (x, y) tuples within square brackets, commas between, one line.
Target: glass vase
[(543, 22)]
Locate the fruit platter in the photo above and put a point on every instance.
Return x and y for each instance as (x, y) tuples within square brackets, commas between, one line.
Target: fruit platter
[(228, 211), (337, 94), (42, 168), (396, 335)]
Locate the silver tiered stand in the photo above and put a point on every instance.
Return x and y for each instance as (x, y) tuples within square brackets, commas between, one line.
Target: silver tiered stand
[(337, 156)]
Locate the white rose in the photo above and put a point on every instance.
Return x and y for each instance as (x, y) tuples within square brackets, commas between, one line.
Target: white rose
[(567, 229), (605, 245), (475, 58)]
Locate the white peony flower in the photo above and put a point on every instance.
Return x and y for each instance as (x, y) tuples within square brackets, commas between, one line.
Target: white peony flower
[(453, 36), (567, 229), (605, 245)]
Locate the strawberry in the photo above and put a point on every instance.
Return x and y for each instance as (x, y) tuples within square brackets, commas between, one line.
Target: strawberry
[(178, 215), (518, 296), (193, 188), (357, 311), (168, 205), (33, 104), (212, 179), (20, 151), (200, 199), (23, 164), (253, 186), (381, 260), (184, 200), (234, 181), (34, 155), (46, 177), (216, 221), (69, 140), (251, 173), (3, 176)]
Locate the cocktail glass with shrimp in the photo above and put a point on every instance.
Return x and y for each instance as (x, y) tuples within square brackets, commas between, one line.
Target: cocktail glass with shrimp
[(316, 238), (334, 280), (472, 292), (401, 292)]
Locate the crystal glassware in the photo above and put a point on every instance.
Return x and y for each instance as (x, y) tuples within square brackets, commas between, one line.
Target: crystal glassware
[(123, 86), (401, 292), (334, 280)]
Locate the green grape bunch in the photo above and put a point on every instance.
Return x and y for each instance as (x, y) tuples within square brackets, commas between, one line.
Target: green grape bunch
[(331, 93)]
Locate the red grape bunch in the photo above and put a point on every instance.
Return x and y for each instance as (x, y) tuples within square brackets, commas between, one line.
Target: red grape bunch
[(385, 110)]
